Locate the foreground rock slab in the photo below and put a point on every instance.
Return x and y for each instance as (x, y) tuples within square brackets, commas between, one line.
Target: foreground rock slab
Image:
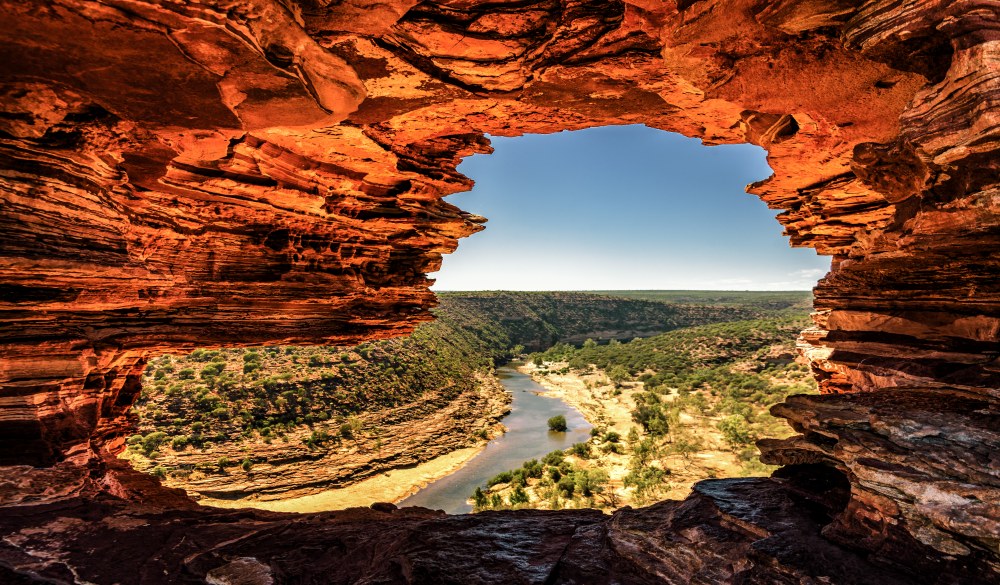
[(751, 530), (923, 466)]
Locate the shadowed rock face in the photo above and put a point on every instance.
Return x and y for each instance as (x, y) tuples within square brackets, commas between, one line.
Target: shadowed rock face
[(222, 173)]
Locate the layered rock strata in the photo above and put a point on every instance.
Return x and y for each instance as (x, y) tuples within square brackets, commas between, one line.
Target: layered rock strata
[(408, 434), (219, 173), (753, 530), (922, 464)]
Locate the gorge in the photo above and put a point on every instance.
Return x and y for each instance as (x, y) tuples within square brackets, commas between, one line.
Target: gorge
[(241, 173)]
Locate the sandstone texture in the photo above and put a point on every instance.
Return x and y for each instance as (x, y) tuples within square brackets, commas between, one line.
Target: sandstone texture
[(213, 172), (747, 531)]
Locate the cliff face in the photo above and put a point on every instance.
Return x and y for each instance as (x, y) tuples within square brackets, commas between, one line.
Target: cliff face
[(226, 173)]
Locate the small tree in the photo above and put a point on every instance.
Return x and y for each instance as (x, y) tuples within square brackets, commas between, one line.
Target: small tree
[(685, 444), (581, 450), (618, 374), (180, 442), (644, 451), (647, 481), (591, 482), (736, 431), (151, 442), (566, 486), (519, 496), (652, 418), (479, 499), (558, 424)]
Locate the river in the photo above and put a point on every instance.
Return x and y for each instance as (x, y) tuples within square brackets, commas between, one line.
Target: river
[(527, 437)]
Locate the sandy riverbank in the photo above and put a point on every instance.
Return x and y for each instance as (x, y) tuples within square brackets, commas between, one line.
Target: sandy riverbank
[(608, 409), (396, 452), (392, 486)]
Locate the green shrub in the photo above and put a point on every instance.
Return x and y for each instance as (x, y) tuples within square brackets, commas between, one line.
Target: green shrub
[(566, 486), (558, 424), (736, 431), (646, 480), (151, 442), (532, 468), (581, 450), (212, 370), (591, 482), (612, 448), (652, 418), (479, 499), (553, 458), (318, 437), (519, 496), (618, 374), (502, 477)]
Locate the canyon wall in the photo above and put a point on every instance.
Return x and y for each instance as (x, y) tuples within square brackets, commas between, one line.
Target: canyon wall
[(208, 173)]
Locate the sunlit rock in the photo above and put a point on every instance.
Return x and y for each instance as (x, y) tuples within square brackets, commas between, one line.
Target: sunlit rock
[(184, 174)]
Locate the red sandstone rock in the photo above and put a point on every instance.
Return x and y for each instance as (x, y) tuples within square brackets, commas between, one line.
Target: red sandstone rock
[(217, 173)]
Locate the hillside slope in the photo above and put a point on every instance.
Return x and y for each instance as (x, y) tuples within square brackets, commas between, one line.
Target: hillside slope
[(284, 421)]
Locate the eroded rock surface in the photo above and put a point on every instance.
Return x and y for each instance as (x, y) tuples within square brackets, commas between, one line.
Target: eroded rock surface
[(922, 464), (207, 173), (752, 530)]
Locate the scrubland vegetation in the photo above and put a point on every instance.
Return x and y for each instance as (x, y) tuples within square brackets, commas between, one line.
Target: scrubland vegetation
[(699, 392), (699, 376), (223, 396)]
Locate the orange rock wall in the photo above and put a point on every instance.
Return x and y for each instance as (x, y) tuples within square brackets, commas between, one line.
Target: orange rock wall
[(215, 172)]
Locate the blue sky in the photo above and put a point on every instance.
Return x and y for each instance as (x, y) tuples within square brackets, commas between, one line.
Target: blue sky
[(622, 207)]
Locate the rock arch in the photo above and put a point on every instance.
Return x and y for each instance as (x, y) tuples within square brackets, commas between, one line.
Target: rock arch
[(223, 173)]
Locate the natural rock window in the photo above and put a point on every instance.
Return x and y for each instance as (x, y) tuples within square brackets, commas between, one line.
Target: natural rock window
[(622, 208), (156, 156)]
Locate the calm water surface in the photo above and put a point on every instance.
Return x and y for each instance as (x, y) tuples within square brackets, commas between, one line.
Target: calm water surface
[(527, 437)]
